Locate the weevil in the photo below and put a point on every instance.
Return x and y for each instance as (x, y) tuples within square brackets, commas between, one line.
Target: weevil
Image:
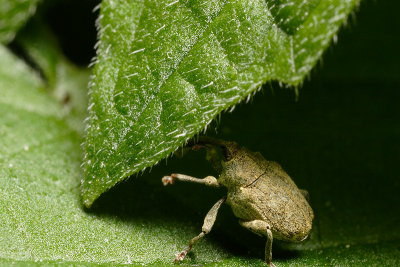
[(261, 194)]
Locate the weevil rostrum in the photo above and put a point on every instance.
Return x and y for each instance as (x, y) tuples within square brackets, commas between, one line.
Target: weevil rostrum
[(260, 193)]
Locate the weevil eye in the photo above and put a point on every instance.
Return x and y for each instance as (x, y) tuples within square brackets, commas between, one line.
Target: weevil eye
[(226, 153)]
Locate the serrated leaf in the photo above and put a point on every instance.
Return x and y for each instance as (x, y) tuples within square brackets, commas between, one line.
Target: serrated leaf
[(165, 69), (13, 15)]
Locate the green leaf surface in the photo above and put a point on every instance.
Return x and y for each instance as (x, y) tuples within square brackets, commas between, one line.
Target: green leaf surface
[(166, 69), (13, 15)]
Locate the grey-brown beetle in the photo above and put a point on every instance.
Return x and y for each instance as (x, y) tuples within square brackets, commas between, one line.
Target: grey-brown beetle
[(260, 193)]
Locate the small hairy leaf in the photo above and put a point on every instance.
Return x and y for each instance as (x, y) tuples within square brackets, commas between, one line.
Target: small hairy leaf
[(13, 15), (166, 69)]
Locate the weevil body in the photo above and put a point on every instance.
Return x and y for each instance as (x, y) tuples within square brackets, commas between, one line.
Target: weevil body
[(260, 193)]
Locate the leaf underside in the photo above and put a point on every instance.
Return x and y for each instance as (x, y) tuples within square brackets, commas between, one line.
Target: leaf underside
[(165, 69)]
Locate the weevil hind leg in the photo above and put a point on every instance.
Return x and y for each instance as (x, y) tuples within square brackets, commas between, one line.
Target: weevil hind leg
[(208, 181), (268, 249), (209, 221), (261, 228)]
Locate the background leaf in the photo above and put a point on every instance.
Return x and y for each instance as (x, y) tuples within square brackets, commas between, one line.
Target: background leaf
[(64, 81), (13, 15), (165, 69)]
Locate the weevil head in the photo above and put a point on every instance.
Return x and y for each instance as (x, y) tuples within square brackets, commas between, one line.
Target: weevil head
[(229, 151), (239, 165), (218, 151)]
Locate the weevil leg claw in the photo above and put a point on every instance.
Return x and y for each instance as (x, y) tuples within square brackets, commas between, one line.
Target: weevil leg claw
[(166, 180), (181, 256)]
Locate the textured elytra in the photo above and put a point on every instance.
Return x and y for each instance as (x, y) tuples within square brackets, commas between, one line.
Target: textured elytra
[(165, 69)]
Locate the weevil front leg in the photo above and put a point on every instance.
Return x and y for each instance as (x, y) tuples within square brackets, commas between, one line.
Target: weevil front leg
[(209, 180), (207, 226), (261, 228)]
